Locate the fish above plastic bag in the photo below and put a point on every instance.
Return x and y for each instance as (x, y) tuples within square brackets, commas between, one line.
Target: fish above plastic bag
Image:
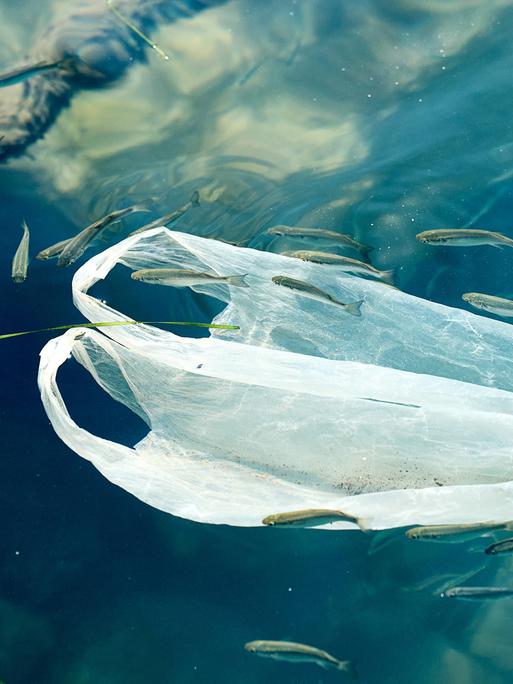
[(401, 416)]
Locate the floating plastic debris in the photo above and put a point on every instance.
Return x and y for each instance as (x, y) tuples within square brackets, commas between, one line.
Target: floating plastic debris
[(401, 417)]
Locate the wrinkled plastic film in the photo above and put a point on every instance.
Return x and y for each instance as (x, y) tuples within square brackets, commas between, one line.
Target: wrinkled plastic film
[(396, 330), (239, 431)]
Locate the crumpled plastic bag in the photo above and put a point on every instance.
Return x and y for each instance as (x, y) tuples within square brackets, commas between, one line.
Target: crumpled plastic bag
[(399, 417)]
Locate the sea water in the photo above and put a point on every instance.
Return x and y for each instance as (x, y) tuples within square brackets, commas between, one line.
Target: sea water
[(375, 119)]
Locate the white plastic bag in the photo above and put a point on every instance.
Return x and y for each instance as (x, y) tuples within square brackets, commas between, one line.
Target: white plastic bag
[(242, 426)]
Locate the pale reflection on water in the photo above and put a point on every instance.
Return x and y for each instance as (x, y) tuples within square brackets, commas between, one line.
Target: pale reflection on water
[(379, 121)]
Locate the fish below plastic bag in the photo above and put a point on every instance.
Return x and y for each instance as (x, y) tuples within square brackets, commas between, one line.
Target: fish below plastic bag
[(401, 416)]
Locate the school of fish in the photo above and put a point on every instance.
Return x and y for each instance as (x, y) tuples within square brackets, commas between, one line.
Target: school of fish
[(70, 249)]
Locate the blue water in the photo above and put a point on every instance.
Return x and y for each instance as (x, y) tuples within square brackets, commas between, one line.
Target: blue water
[(376, 119)]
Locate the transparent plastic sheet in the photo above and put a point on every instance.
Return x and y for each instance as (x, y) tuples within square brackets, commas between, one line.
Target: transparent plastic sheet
[(241, 425)]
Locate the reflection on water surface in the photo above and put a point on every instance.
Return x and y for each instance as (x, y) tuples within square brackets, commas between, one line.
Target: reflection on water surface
[(375, 119)]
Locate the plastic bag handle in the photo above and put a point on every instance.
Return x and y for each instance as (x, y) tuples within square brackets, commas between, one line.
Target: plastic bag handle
[(53, 355), (123, 466)]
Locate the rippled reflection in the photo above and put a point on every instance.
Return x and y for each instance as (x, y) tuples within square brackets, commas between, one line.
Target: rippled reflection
[(391, 125)]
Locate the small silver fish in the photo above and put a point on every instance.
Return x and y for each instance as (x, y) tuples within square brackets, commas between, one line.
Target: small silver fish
[(20, 259), (312, 292), (21, 74), (443, 582), (171, 217), (53, 250), (462, 237), (496, 305), (292, 652), (180, 277), (298, 231), (312, 517), (455, 533), (77, 245), (478, 593), (347, 264), (252, 70), (504, 546)]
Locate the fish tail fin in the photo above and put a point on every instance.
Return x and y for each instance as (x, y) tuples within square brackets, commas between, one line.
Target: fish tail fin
[(354, 308), (503, 239), (388, 276), (195, 199), (348, 667), (238, 280), (140, 207), (362, 524), (67, 63), (64, 260), (76, 65)]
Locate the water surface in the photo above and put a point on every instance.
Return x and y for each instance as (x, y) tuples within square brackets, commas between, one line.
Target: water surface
[(376, 119)]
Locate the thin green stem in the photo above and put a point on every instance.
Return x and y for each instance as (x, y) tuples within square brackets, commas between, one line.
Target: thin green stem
[(113, 323)]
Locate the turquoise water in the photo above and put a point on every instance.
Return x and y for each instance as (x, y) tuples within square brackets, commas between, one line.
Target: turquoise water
[(374, 119)]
